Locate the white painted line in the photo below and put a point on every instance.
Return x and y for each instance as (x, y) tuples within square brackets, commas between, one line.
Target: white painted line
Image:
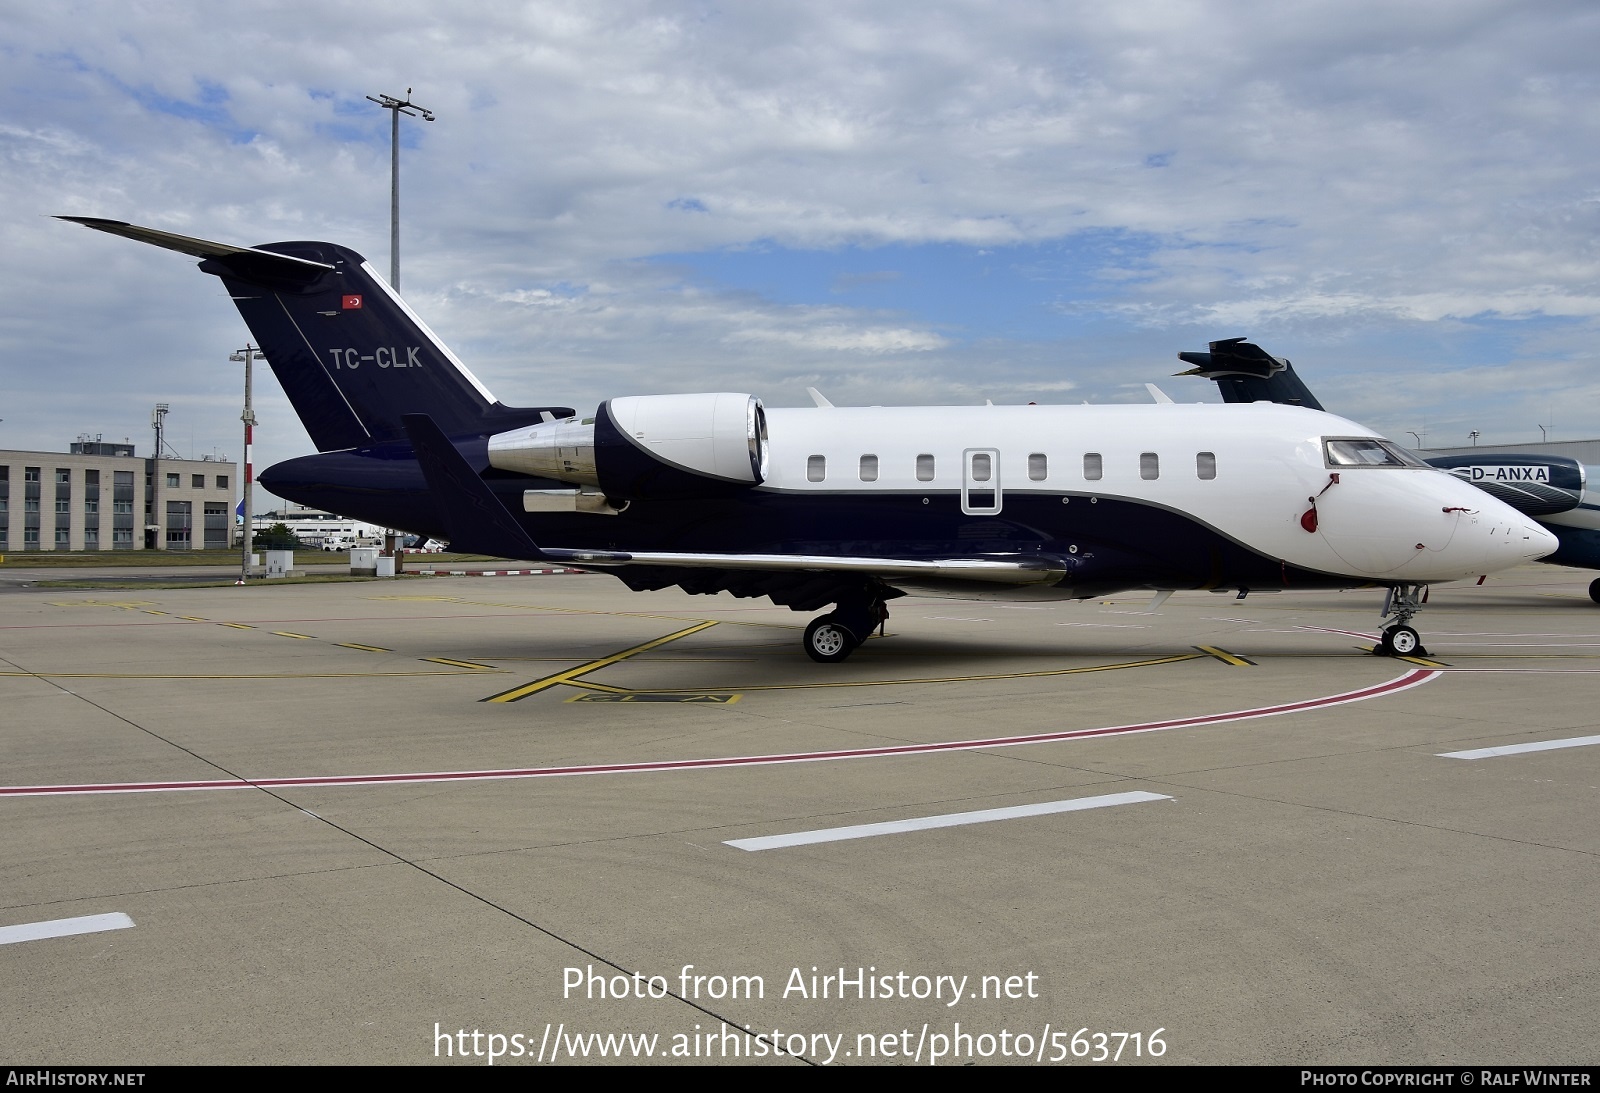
[(953, 819), (1519, 749), (64, 927)]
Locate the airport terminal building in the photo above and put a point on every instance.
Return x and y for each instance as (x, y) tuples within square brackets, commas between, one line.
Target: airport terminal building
[(101, 496)]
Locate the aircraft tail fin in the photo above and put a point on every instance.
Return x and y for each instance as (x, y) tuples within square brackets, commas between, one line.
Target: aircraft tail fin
[(1248, 373), (352, 357)]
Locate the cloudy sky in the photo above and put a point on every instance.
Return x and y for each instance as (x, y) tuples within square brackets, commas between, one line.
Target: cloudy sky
[(928, 203)]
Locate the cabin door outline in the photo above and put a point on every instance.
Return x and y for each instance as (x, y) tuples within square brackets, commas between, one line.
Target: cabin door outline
[(980, 482)]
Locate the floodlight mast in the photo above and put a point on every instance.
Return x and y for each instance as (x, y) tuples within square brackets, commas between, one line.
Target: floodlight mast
[(247, 356), (396, 107)]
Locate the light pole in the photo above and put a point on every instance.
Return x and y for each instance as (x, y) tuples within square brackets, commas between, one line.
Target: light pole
[(247, 355), (396, 107), (1474, 435)]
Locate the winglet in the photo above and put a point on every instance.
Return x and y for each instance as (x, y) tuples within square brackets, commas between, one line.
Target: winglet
[(473, 515)]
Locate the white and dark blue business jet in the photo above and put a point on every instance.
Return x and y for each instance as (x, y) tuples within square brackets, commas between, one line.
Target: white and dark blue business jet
[(841, 507)]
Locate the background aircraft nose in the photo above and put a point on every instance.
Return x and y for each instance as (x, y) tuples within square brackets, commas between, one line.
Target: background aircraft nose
[(1538, 540)]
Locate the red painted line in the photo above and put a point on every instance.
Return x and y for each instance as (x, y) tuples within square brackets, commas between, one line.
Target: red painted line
[(1413, 678)]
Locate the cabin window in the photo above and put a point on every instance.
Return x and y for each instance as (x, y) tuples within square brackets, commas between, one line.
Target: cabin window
[(869, 468), (1038, 467), (924, 468), (1092, 466), (1205, 466), (1149, 466), (982, 467), (816, 468)]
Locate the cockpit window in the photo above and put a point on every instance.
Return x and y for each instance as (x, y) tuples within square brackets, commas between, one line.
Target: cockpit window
[(1367, 451)]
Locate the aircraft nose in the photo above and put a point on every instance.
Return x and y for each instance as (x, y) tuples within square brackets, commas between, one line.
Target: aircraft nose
[(1537, 540)]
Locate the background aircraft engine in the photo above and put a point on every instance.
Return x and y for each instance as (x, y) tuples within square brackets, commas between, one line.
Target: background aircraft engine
[(1537, 485), (647, 446)]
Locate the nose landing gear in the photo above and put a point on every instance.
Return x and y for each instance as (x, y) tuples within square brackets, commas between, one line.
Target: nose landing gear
[(1400, 639)]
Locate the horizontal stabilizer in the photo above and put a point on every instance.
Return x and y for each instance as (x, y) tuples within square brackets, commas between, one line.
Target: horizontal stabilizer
[(245, 261), (351, 356), (1245, 372)]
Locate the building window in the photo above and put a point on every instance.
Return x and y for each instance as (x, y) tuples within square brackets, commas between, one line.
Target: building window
[(63, 476), (179, 525), (91, 538), (1093, 466), (1149, 466), (216, 526), (1038, 467), (63, 505), (924, 468), (869, 468), (197, 481), (30, 474), (62, 541), (816, 468), (172, 481), (222, 481), (1205, 466)]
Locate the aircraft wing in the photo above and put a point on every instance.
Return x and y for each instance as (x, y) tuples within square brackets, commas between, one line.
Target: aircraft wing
[(1016, 569), (477, 521)]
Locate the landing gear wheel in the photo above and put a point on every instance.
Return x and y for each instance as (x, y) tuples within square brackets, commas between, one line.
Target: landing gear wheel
[(1594, 590), (1402, 641), (827, 642)]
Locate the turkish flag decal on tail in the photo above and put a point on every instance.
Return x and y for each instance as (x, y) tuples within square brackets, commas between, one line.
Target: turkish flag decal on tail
[(351, 303)]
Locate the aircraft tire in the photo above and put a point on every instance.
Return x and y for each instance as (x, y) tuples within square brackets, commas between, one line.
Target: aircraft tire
[(1594, 590), (1402, 641), (827, 642)]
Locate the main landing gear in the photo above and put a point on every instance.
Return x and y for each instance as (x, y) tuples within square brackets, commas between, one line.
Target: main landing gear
[(833, 637), (1400, 639)]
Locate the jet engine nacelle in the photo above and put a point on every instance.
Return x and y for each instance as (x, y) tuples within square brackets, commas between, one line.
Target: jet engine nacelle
[(647, 446), (1535, 485)]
